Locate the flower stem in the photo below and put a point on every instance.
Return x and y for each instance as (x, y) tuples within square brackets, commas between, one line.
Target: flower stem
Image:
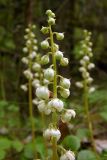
[(89, 122), (54, 141)]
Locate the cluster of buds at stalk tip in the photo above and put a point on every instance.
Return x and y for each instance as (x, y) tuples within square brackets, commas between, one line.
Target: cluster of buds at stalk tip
[(48, 100), (85, 62)]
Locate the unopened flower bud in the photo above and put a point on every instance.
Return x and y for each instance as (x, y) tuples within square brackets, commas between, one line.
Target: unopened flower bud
[(92, 89), (79, 84), (32, 55), (25, 60), (50, 133), (24, 87), (50, 13), (56, 104), (59, 36), (45, 30), (64, 61), (36, 67), (49, 74), (45, 59), (66, 117), (65, 93), (59, 55), (35, 83), (45, 44), (42, 92), (51, 21), (91, 66), (25, 50), (65, 83), (28, 74), (86, 58)]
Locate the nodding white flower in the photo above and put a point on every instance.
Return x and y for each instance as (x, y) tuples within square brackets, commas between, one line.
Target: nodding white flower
[(35, 101), (86, 58), (24, 87), (25, 50), (92, 89), (36, 67), (56, 104), (25, 60), (32, 55), (28, 74), (79, 84), (50, 133), (64, 61), (42, 92), (49, 74), (45, 44), (89, 80), (82, 69), (82, 62), (35, 48), (36, 75), (65, 93), (45, 30), (69, 155), (28, 42), (65, 83), (58, 55), (45, 59), (59, 36), (35, 83), (66, 117), (51, 21), (91, 66)]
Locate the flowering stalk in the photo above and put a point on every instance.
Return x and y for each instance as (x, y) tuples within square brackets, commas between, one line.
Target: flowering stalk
[(31, 49), (48, 101), (86, 66)]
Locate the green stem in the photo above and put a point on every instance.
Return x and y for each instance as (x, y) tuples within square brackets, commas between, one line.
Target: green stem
[(89, 122), (54, 116)]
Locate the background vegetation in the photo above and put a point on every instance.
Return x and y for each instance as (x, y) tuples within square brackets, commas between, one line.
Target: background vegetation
[(72, 17)]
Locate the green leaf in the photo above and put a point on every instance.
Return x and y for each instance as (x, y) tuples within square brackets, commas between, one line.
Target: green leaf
[(71, 142), (2, 154), (82, 133), (17, 145), (104, 115), (5, 143), (28, 150), (86, 155)]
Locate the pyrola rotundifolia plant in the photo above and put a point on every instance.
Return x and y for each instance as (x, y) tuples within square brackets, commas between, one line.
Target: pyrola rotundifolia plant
[(30, 61), (54, 87), (85, 68)]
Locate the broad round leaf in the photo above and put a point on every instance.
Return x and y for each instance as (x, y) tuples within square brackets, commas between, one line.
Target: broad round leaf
[(86, 155)]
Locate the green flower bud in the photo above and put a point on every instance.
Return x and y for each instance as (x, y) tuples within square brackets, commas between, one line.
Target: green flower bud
[(58, 55), (45, 30), (36, 67), (45, 59), (65, 93), (45, 44), (51, 21), (64, 61), (49, 74), (50, 13), (59, 36)]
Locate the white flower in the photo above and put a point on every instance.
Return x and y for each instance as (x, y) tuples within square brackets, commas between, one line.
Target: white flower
[(92, 89), (65, 93), (56, 47), (79, 84), (45, 82), (85, 74), (25, 60), (50, 133), (82, 69), (58, 55), (28, 74), (35, 101), (32, 55), (42, 92), (45, 44), (24, 87), (69, 155), (41, 106), (36, 67), (45, 30), (82, 62), (86, 58), (49, 74), (50, 13), (89, 80), (64, 61), (28, 42), (35, 48), (66, 117), (56, 104), (35, 41), (59, 36), (45, 59), (91, 66), (25, 49), (65, 83)]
